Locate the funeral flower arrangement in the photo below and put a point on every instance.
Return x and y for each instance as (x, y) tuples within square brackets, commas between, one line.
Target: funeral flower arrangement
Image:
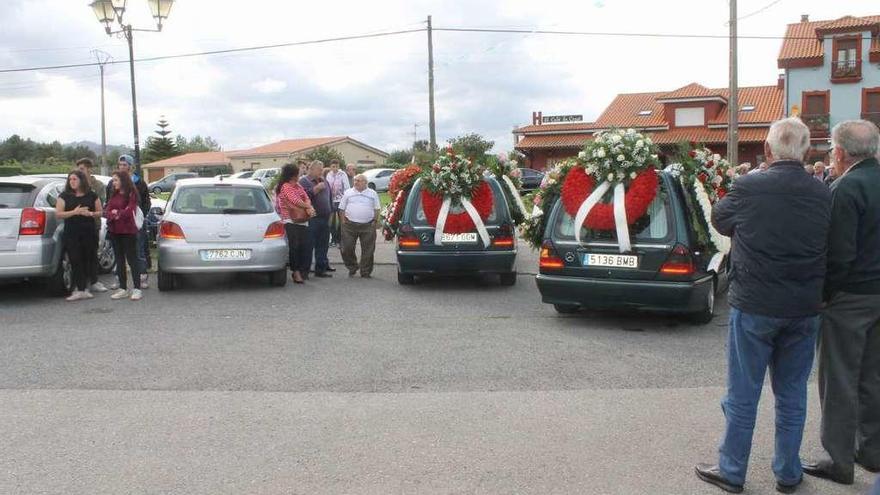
[(398, 189), (608, 186), (706, 178), (508, 174)]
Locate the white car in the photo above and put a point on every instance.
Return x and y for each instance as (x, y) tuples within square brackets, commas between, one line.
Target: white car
[(378, 178), (265, 175)]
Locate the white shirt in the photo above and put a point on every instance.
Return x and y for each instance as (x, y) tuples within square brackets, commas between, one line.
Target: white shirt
[(338, 184), (360, 206)]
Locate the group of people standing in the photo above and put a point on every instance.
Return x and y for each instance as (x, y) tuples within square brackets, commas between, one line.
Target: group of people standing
[(319, 209), (805, 275), (81, 205)]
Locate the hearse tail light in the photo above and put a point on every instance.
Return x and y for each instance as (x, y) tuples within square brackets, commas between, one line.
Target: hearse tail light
[(407, 237), (275, 230), (548, 259), (170, 230), (33, 222), (679, 262), (504, 238)]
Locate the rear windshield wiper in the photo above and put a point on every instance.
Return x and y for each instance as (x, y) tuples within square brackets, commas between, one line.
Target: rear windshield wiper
[(234, 211)]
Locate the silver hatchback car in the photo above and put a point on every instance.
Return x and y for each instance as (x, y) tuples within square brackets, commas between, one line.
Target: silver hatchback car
[(220, 226)]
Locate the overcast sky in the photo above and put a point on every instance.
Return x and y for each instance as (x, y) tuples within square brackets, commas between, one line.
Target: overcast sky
[(373, 90)]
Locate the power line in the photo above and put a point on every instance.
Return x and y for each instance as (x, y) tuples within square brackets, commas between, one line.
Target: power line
[(756, 12), (623, 35), (217, 52)]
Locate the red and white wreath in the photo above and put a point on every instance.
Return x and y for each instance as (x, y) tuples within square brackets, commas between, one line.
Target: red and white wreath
[(456, 199)]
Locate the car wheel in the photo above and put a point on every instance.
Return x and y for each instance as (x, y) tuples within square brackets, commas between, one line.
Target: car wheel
[(566, 309), (156, 190), (166, 280), (405, 278), (508, 279), (372, 186), (106, 257), (706, 314), (278, 278), (61, 282)]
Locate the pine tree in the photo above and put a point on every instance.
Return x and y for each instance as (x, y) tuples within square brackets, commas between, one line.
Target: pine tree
[(162, 147)]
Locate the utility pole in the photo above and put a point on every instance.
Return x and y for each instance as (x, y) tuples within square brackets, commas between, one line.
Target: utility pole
[(415, 136), (733, 99), (431, 87), (103, 58), (134, 108)]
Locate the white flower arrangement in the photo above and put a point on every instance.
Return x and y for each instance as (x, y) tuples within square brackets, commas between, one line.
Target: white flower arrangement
[(721, 242), (617, 155)]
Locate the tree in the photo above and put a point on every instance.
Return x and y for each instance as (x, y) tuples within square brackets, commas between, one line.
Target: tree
[(400, 157), (471, 146), (325, 154), (162, 147), (424, 155), (196, 144)]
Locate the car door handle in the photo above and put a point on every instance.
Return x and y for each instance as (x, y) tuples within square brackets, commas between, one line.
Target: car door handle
[(224, 235)]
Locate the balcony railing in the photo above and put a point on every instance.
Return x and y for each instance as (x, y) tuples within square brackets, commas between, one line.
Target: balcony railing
[(846, 69), (873, 117), (819, 124)]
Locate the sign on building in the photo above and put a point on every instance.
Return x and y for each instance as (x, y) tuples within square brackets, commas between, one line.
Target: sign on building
[(559, 119)]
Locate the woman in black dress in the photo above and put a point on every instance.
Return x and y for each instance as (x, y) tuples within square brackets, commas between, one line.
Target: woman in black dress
[(79, 206)]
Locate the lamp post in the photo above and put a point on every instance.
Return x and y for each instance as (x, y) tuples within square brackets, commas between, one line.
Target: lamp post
[(110, 11)]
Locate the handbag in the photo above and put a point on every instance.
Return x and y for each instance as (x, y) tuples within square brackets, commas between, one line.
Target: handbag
[(298, 214)]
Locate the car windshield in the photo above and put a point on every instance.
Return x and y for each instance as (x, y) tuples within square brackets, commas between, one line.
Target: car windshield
[(213, 200), (655, 225), (15, 195), (494, 218)]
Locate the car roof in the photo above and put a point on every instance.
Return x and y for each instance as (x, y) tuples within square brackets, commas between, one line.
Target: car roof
[(31, 180), (210, 181), (103, 178), (371, 171)]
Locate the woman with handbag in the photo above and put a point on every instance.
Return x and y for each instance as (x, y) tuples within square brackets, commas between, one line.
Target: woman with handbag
[(295, 208), (122, 223)]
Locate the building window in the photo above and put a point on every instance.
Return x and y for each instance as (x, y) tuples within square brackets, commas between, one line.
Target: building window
[(871, 105), (846, 65), (816, 107), (690, 117), (645, 113), (747, 108)]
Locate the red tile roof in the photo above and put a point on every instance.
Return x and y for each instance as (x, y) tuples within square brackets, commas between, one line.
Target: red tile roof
[(624, 111), (692, 90), (545, 128), (767, 101), (288, 146), (192, 160), (702, 135), (802, 46), (574, 141)]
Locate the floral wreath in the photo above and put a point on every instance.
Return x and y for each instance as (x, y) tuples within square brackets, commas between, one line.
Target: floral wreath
[(459, 180), (398, 188), (508, 174)]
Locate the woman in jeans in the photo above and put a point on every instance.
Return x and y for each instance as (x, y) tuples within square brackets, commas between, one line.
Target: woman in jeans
[(79, 206), (295, 209), (120, 213)]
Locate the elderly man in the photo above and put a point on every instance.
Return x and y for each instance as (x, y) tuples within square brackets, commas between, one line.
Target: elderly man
[(819, 172), (360, 212), (779, 220), (318, 241), (849, 342)]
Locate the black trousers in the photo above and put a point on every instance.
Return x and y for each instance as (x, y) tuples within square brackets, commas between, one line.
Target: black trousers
[(82, 249), (296, 239), (126, 248)]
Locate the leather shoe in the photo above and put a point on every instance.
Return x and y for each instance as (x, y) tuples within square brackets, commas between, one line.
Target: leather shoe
[(331, 269), (323, 275), (712, 475), (825, 470), (783, 488), (868, 467)]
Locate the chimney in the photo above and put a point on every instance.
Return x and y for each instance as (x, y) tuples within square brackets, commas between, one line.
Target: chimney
[(780, 83), (805, 17), (536, 118)]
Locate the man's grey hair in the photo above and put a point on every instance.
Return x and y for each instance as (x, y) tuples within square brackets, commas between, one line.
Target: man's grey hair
[(360, 177), (858, 138), (789, 139)]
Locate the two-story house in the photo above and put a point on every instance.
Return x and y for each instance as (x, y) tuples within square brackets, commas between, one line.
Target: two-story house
[(832, 73)]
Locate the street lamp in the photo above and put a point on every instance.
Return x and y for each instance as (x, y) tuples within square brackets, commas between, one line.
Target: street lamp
[(110, 11)]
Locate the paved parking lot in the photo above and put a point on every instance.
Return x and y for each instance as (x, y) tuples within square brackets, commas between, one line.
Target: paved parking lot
[(360, 386)]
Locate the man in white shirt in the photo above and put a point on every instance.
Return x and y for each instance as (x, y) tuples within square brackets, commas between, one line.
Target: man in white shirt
[(360, 219)]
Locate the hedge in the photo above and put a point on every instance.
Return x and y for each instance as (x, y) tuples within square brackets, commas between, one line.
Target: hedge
[(9, 170)]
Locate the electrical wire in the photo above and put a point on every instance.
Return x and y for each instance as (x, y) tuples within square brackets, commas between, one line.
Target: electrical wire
[(616, 34)]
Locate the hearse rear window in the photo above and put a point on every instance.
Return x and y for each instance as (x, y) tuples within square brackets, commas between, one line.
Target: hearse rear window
[(655, 225)]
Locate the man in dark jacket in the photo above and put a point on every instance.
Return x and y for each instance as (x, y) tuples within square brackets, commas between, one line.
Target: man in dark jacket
[(779, 220), (125, 164), (849, 341)]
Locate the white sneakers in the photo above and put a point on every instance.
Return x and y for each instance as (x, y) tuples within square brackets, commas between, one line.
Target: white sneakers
[(136, 295), (145, 281), (120, 294), (113, 285), (79, 295), (98, 287)]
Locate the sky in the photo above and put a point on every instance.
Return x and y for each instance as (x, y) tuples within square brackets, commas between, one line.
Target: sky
[(374, 90)]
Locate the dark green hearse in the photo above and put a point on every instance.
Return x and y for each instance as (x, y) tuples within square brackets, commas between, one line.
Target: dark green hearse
[(459, 253), (666, 271)]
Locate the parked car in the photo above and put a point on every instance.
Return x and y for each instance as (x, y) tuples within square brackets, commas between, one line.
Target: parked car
[(265, 175), (667, 271), (378, 178), (154, 216), (168, 183), (463, 253), (245, 174), (220, 227), (530, 179)]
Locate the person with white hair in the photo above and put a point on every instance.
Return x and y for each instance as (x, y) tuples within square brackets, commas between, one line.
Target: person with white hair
[(360, 213), (779, 220), (849, 340)]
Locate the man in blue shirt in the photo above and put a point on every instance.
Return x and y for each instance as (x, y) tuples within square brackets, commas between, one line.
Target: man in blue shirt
[(318, 241)]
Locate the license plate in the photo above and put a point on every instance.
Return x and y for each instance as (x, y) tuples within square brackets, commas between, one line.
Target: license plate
[(611, 260), (470, 237), (225, 254)]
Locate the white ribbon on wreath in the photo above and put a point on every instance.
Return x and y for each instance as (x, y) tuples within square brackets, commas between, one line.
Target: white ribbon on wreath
[(516, 197), (471, 211), (721, 242), (620, 223)]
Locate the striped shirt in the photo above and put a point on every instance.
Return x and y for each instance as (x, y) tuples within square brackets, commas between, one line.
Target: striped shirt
[(291, 195)]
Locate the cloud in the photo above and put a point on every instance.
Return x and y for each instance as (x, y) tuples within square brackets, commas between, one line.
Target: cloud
[(269, 85)]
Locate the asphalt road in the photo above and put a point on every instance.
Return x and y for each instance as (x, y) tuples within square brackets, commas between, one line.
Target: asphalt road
[(361, 386)]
